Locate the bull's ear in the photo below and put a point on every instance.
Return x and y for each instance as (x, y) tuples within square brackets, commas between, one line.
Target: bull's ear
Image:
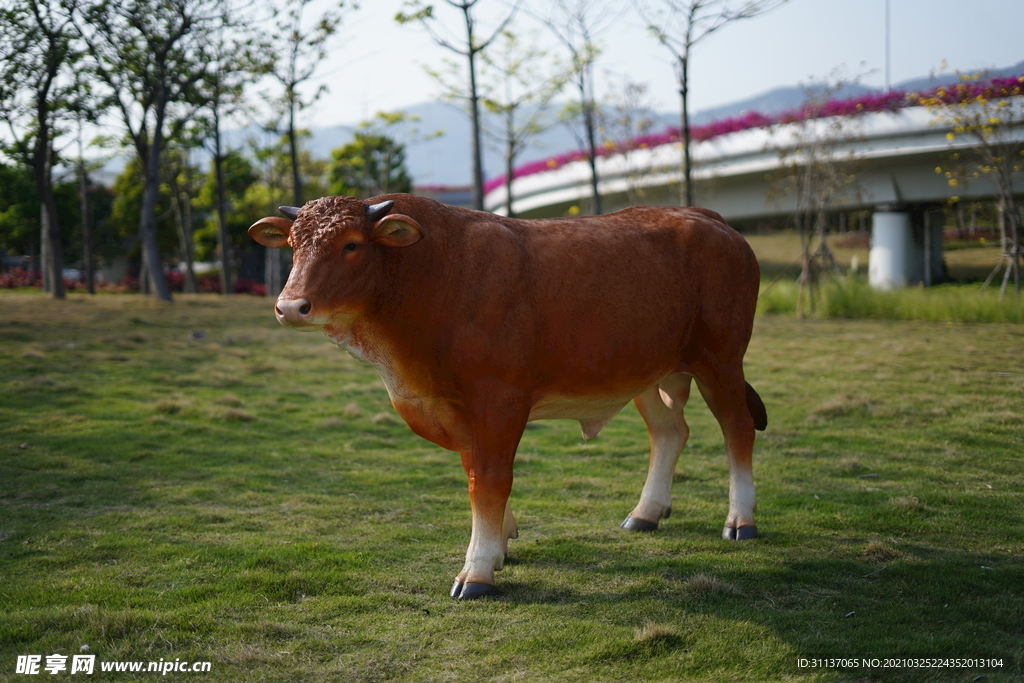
[(272, 231), (396, 230)]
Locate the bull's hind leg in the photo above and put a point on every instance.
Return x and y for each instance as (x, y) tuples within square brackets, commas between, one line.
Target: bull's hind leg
[(661, 406), (725, 392)]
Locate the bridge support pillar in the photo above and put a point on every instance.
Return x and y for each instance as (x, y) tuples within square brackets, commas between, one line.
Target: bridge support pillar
[(906, 248), (892, 242)]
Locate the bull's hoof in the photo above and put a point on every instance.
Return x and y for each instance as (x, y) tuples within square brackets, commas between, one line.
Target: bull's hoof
[(632, 523), (743, 533), (471, 590)]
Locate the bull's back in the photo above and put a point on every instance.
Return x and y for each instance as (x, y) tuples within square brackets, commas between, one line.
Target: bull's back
[(624, 294)]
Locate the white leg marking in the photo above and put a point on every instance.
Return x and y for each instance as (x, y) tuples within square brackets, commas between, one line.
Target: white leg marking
[(662, 409), (485, 554), (742, 500)]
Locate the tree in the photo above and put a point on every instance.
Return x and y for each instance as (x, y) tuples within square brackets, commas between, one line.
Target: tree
[(373, 163), (274, 168), (232, 62), (19, 211), (576, 24), (37, 47), (152, 55), (521, 84), (627, 116), (222, 195), (469, 48), (305, 49), (265, 196), (680, 25), (988, 115), (180, 180), (814, 173), (129, 196)]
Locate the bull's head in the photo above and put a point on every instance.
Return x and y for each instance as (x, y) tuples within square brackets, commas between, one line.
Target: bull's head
[(338, 244)]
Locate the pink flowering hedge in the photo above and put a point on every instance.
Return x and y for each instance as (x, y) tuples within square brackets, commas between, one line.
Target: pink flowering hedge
[(891, 101)]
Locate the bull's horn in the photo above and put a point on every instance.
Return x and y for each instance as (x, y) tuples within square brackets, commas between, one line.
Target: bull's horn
[(375, 211), (290, 211)]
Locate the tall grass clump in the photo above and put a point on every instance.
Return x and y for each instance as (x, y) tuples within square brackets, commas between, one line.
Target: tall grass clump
[(852, 297)]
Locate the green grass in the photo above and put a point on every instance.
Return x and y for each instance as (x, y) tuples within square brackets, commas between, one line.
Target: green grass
[(244, 496), (852, 297)]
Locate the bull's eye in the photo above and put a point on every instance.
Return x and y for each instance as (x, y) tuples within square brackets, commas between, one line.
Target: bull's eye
[(351, 246)]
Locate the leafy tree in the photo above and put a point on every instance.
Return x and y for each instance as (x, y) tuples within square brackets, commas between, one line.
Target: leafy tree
[(231, 181), (816, 175), (234, 59), (129, 197), (19, 210), (152, 56), (985, 118), (520, 84), (680, 25), (469, 47), (373, 163), (576, 24), (628, 115), (180, 178), (37, 48), (305, 48)]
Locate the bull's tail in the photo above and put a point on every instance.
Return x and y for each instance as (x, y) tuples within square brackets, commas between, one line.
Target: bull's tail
[(756, 407)]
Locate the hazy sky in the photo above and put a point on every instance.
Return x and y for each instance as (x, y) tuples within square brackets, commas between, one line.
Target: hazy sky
[(375, 64)]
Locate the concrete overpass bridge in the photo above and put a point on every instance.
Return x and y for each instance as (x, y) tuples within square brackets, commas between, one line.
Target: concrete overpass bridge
[(894, 154)]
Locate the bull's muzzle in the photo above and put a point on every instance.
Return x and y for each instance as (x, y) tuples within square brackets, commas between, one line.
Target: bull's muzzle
[(293, 311)]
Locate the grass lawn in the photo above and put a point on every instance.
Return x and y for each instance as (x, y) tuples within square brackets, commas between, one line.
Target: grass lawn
[(193, 481)]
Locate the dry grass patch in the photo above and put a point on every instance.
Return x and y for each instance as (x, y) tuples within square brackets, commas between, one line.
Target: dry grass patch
[(230, 400), (654, 633), (238, 415), (168, 407), (843, 405), (703, 585), (384, 418), (880, 551), (908, 504)]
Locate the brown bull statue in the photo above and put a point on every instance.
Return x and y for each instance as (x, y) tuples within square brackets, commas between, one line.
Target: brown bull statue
[(479, 324)]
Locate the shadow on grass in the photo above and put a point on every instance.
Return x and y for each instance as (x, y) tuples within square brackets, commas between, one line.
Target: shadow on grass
[(910, 600)]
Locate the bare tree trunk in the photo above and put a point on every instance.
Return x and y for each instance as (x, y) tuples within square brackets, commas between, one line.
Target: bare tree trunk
[(53, 257), (294, 152), (272, 273), (509, 159), (474, 108), (184, 235), (147, 222), (223, 239), (588, 122), (83, 189), (44, 250), (686, 195)]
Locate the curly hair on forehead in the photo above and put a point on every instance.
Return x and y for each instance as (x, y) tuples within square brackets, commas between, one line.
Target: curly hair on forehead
[(322, 219)]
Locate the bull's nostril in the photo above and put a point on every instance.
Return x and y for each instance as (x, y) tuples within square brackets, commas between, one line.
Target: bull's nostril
[(277, 310), (305, 308)]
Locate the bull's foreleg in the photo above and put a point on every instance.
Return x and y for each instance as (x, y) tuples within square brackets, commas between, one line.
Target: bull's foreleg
[(661, 406), (726, 395), (496, 436)]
